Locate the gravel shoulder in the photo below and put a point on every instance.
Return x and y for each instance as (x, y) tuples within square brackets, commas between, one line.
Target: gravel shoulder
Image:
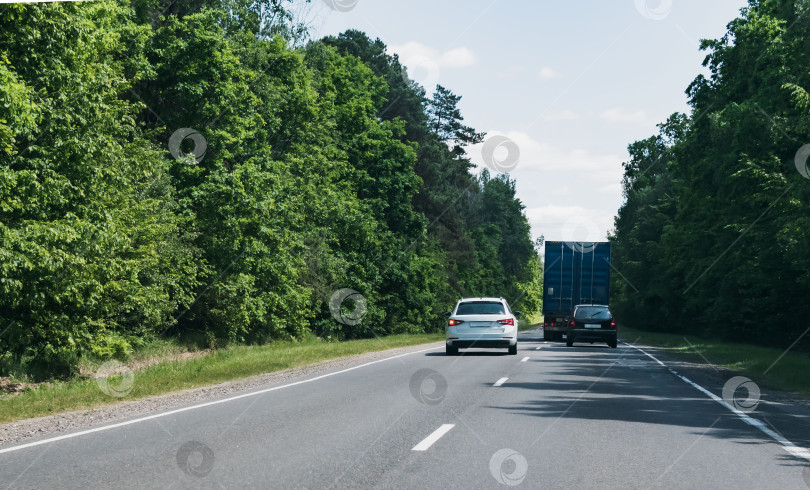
[(25, 430)]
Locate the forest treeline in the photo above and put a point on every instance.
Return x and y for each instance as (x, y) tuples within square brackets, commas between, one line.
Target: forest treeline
[(196, 170), (714, 234)]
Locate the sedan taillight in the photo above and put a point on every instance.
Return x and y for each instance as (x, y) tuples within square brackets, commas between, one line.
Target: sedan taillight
[(506, 321), (572, 323), (453, 323)]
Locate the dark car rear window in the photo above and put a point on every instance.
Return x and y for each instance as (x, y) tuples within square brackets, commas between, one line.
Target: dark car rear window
[(480, 308), (592, 313)]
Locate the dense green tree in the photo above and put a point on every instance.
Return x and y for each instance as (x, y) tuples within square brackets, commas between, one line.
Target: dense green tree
[(503, 242), (444, 118), (712, 232), (404, 98), (310, 168), (91, 255)]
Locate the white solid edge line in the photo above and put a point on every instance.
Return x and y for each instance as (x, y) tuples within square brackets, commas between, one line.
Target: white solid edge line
[(432, 438), (786, 444), (500, 382), (525, 359), (201, 405)]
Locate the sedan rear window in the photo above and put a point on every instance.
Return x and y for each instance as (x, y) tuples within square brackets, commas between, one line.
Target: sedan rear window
[(480, 308), (593, 313)]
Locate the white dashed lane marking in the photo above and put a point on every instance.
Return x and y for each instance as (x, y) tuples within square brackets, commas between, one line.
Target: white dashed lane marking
[(432, 438)]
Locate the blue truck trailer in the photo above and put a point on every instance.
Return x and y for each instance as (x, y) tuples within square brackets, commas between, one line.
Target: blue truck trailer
[(576, 273)]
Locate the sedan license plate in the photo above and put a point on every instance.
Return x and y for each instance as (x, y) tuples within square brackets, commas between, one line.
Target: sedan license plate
[(593, 325)]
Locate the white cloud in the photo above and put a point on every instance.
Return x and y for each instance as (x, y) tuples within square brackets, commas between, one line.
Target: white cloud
[(620, 115), (424, 63), (569, 193), (613, 189), (570, 223), (561, 191), (457, 58), (454, 58), (537, 156), (547, 73)]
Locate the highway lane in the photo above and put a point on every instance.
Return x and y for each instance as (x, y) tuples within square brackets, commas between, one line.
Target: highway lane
[(582, 417)]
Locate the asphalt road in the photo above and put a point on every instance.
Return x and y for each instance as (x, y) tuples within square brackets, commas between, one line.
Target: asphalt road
[(582, 417)]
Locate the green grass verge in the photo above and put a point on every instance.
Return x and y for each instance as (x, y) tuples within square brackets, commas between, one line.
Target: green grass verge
[(530, 321), (167, 376), (790, 373)]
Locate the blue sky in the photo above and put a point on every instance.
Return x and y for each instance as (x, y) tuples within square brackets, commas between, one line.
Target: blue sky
[(571, 83)]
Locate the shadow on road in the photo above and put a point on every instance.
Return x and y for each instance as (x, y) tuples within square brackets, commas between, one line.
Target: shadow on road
[(598, 383), (472, 353)]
